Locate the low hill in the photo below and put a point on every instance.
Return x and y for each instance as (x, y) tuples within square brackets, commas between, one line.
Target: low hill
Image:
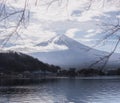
[(19, 62)]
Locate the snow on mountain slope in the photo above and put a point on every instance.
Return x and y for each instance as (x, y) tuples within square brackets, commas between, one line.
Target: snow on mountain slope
[(63, 40), (76, 54)]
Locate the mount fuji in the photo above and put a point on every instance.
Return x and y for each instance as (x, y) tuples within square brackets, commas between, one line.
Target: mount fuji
[(70, 53)]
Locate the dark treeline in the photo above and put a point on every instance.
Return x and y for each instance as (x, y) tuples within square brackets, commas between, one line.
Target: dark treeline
[(13, 62), (72, 72)]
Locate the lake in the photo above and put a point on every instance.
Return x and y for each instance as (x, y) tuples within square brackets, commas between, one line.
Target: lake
[(64, 90)]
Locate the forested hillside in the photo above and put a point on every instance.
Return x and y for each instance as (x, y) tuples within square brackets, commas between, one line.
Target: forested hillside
[(18, 62)]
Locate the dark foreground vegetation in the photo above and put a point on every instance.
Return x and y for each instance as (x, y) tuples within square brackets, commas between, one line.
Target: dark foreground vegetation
[(88, 72), (16, 64), (21, 66)]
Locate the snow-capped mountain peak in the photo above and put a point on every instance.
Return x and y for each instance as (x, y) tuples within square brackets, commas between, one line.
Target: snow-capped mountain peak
[(63, 40), (66, 52), (76, 54)]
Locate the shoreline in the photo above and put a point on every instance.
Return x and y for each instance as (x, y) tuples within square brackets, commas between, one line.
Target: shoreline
[(65, 77)]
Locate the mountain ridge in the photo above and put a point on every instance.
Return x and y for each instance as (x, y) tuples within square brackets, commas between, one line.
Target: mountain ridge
[(77, 55)]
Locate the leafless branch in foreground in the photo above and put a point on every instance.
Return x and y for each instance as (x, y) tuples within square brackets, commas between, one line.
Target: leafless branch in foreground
[(106, 58), (110, 30), (21, 18), (7, 13), (24, 15)]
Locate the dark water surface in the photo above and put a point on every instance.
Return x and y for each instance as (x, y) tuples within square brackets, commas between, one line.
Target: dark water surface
[(64, 91)]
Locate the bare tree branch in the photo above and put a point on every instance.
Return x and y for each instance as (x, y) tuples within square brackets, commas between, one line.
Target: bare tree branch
[(106, 58), (22, 15)]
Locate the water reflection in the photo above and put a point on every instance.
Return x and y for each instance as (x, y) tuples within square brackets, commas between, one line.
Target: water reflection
[(63, 91)]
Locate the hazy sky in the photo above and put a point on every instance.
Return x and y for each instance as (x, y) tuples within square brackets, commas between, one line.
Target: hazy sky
[(72, 18)]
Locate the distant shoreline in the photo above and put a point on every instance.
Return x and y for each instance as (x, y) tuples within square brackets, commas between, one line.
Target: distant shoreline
[(65, 77), (34, 81)]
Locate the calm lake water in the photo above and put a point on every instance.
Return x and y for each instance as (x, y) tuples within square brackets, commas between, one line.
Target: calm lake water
[(64, 91)]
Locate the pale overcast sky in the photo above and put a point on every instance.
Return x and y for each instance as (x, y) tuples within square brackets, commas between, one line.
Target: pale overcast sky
[(69, 18)]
